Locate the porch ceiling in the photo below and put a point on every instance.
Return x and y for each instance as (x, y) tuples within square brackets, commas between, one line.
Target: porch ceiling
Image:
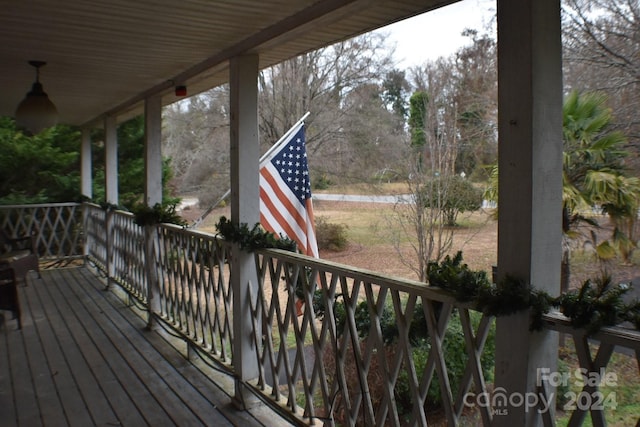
[(105, 57)]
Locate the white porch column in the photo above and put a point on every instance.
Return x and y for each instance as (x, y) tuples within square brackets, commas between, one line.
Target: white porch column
[(86, 176), (152, 194), (245, 207), (530, 187), (110, 184), (153, 150), (111, 160)]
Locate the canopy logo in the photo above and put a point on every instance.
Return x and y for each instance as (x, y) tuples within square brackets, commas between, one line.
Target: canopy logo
[(588, 398)]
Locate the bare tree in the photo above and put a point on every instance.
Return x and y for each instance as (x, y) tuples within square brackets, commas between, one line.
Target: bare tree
[(476, 95), (370, 146), (601, 45), (471, 76), (349, 128), (196, 138), (431, 161), (331, 83)]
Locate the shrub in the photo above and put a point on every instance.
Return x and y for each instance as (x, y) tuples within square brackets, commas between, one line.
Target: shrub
[(563, 389), (322, 182), (453, 347), (339, 411), (331, 237), (452, 195), (455, 355)]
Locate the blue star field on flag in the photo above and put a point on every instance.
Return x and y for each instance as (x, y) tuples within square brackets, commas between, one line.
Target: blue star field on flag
[(291, 164)]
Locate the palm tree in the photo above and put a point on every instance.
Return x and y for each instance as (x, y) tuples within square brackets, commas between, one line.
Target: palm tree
[(594, 176), (590, 155)]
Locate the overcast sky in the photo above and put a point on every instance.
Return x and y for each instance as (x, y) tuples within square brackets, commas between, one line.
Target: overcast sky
[(437, 33)]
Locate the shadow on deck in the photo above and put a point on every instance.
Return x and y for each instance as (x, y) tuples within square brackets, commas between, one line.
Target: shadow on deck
[(85, 358)]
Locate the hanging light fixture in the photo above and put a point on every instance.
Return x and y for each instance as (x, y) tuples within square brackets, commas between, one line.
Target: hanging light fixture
[(36, 112)]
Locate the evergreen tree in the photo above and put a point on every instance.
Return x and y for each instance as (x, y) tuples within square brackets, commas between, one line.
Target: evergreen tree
[(45, 168), (417, 113)]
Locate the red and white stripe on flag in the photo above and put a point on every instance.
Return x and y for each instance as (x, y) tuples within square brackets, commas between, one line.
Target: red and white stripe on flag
[(286, 208)]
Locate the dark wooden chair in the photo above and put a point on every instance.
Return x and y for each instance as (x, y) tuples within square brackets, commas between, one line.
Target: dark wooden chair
[(19, 253), (9, 293)]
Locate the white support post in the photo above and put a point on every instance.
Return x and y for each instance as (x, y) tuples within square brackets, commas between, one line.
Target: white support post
[(530, 191), (86, 175), (111, 184), (245, 208), (153, 150), (111, 160), (152, 195)]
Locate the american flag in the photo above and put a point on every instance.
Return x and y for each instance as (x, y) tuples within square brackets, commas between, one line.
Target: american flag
[(286, 208)]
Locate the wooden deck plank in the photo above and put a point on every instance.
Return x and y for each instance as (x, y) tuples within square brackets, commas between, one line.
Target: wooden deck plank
[(7, 407), (93, 377), (213, 383), (43, 382), (65, 362), (191, 370), (155, 355), (115, 351), (26, 404), (84, 358), (112, 394), (132, 354)]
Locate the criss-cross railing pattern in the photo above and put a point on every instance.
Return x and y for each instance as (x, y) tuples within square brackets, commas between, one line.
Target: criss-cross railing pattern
[(127, 253), (195, 291), (116, 245), (95, 230), (57, 227), (594, 354), (326, 349), (334, 359)]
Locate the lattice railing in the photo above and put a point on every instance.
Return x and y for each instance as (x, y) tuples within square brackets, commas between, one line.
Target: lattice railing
[(95, 228), (334, 344), (116, 246), (127, 253), (322, 365), (594, 355), (337, 360), (57, 227), (195, 291)]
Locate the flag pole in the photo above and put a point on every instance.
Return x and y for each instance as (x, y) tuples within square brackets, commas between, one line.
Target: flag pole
[(263, 159)]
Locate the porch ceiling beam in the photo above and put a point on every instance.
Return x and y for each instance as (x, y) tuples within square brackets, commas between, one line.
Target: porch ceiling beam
[(315, 16)]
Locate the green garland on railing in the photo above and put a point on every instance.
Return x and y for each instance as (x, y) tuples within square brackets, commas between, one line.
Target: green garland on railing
[(597, 304), (590, 307), (158, 214), (632, 314), (147, 215), (254, 238), (106, 206)]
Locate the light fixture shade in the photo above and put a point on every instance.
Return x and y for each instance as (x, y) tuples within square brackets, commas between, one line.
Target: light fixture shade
[(36, 112)]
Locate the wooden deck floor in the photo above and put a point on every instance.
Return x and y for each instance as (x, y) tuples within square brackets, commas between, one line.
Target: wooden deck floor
[(83, 358)]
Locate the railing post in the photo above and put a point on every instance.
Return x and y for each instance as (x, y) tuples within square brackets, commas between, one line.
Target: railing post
[(244, 282), (109, 264), (151, 272), (85, 240)]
